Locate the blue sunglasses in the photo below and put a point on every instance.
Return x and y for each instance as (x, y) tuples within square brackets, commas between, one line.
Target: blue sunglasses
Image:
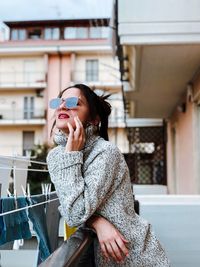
[(70, 102)]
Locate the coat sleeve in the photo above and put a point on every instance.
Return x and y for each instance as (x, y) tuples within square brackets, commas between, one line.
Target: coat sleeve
[(80, 194)]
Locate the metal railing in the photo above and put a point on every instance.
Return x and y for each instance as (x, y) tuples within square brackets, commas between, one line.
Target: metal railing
[(78, 249), (22, 114), (11, 149), (20, 78), (117, 115), (100, 77)]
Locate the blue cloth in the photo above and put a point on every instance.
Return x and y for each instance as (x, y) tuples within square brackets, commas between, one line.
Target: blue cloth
[(37, 216), (15, 225), (2, 231)]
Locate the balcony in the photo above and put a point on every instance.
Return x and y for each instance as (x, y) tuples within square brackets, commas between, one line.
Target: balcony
[(22, 117), (116, 119), (160, 54), (11, 150), (15, 79), (100, 79), (175, 220)]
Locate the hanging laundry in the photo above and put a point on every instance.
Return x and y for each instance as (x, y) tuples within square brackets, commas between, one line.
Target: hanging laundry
[(5, 170), (53, 220), (15, 225), (38, 218), (2, 232), (20, 177)]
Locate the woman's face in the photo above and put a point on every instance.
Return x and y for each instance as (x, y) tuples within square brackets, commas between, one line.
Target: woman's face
[(65, 115)]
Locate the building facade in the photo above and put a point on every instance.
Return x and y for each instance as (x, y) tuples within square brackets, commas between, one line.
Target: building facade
[(158, 47), (40, 59)]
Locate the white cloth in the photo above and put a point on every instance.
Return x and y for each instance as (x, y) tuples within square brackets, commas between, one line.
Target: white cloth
[(5, 174)]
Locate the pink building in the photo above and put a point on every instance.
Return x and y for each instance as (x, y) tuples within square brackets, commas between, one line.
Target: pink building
[(159, 50), (39, 60)]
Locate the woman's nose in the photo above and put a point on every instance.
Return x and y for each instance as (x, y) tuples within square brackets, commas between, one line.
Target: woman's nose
[(63, 105)]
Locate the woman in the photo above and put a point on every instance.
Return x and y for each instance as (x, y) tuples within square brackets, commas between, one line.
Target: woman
[(92, 181)]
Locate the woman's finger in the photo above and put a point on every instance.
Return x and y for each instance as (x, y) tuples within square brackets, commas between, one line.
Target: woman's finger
[(77, 132), (80, 124), (79, 121), (71, 131), (123, 238), (111, 252), (122, 246), (117, 251), (70, 137), (104, 251)]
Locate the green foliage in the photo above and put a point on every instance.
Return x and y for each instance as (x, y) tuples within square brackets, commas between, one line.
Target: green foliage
[(36, 178)]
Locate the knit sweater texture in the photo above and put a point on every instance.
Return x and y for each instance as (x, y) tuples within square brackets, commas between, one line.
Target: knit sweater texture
[(96, 180)]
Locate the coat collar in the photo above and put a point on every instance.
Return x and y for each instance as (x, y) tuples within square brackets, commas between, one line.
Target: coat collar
[(91, 133)]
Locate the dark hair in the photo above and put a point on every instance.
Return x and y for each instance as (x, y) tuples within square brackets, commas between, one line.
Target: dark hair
[(98, 107)]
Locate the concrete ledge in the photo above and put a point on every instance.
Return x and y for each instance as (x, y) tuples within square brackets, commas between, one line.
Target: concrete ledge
[(149, 189)]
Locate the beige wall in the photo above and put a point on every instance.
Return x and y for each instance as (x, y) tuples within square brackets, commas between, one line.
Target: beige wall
[(15, 63), (118, 137), (59, 71), (22, 69), (12, 103), (181, 151), (108, 67), (12, 139), (16, 71), (58, 68)]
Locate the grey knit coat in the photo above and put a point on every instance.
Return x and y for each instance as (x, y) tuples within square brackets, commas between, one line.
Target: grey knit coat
[(96, 180)]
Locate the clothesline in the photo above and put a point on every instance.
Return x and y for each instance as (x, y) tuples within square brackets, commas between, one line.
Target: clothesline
[(22, 169), (27, 207), (24, 160)]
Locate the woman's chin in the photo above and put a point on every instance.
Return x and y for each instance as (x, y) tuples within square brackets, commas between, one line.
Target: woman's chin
[(62, 127)]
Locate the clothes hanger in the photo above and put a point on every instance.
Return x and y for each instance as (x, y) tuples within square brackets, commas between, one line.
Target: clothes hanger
[(28, 207)]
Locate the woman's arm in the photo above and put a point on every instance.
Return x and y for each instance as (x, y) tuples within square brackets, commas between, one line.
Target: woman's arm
[(81, 194), (112, 242)]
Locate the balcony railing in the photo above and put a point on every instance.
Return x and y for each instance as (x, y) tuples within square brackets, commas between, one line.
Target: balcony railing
[(100, 78), (22, 114), (16, 79), (116, 118), (11, 150)]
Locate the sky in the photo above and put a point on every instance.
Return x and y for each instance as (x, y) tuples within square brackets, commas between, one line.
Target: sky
[(12, 10)]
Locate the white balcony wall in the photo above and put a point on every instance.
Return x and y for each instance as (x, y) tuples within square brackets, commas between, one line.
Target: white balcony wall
[(118, 137), (11, 139), (12, 105), (116, 118), (157, 22), (175, 220), (108, 69), (21, 70)]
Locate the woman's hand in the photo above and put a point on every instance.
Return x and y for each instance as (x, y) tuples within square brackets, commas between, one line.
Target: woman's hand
[(76, 138), (112, 242)]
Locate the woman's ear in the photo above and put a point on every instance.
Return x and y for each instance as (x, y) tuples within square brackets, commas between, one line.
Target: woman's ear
[(95, 122)]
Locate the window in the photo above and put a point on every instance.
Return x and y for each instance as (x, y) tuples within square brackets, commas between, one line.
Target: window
[(18, 34), (30, 71), (70, 33), (76, 33), (95, 32), (99, 32), (29, 107), (35, 34), (51, 34), (28, 142), (92, 70), (105, 32), (81, 33)]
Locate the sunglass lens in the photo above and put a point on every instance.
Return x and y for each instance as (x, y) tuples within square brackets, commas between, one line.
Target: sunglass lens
[(71, 102), (55, 103)]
